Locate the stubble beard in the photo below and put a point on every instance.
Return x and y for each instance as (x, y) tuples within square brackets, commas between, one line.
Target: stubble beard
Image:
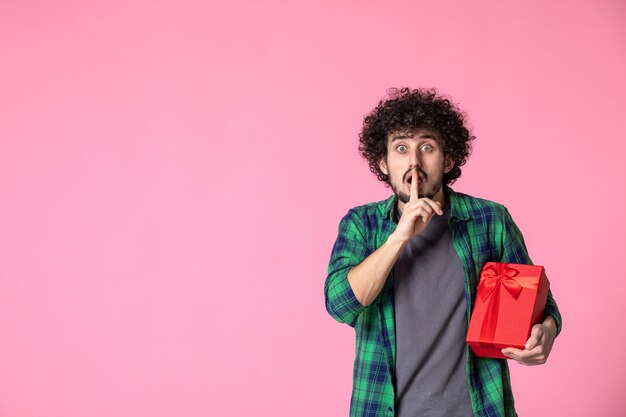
[(405, 198)]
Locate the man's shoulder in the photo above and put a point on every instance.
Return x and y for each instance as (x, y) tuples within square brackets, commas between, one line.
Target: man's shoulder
[(368, 216), (373, 205), (478, 205), (372, 209), (477, 201)]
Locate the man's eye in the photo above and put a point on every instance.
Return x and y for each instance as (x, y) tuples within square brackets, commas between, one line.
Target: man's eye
[(401, 148), (427, 147)]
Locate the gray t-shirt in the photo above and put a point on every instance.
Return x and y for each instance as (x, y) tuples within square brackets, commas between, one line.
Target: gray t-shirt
[(431, 325)]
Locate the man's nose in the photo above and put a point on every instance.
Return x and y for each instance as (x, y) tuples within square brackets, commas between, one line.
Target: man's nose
[(415, 159)]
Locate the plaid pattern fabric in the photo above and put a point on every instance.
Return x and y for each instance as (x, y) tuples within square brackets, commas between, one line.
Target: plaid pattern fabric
[(481, 231)]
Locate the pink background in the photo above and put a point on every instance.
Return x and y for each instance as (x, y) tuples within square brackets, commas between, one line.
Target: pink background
[(172, 175)]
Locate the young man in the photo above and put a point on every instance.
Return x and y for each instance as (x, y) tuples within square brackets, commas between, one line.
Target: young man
[(404, 271)]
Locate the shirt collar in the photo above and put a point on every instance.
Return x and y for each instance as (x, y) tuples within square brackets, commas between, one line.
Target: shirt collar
[(458, 208)]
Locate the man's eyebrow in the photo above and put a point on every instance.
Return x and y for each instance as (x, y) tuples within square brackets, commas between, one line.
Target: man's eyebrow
[(422, 136)]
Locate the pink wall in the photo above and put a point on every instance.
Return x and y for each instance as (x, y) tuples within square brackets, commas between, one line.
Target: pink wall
[(172, 177)]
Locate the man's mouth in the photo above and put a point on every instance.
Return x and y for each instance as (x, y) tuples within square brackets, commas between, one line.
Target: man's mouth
[(409, 178)]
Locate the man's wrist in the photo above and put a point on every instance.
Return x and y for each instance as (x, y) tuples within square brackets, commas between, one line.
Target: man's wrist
[(395, 239)]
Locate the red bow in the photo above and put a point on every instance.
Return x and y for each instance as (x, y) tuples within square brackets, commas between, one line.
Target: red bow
[(491, 279), (496, 275)]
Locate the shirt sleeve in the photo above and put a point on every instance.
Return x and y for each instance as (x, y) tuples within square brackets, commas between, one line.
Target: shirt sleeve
[(514, 251), (349, 250)]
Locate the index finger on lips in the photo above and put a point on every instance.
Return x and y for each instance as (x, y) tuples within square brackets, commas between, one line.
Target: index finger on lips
[(414, 181)]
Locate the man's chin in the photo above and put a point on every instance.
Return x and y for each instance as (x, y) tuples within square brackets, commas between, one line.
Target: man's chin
[(404, 198)]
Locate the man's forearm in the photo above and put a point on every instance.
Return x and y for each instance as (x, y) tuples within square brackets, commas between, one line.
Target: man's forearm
[(368, 277)]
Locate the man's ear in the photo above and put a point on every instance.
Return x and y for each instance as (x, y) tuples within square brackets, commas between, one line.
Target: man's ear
[(382, 164), (448, 165)]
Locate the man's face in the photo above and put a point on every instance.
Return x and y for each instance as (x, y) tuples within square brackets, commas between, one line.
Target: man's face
[(420, 149)]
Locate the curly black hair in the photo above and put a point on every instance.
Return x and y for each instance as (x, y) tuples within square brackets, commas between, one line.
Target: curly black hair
[(406, 110)]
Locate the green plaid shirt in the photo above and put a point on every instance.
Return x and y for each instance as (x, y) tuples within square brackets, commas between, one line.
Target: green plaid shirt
[(481, 231)]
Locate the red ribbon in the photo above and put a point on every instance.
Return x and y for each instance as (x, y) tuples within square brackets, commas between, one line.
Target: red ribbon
[(495, 275), (492, 279)]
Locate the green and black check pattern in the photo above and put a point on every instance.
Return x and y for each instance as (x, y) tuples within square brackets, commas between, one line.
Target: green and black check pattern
[(482, 231)]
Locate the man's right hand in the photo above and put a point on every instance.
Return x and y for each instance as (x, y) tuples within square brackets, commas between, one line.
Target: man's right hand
[(417, 213), (368, 277)]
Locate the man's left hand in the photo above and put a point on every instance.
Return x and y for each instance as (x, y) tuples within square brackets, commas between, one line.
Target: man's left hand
[(538, 345)]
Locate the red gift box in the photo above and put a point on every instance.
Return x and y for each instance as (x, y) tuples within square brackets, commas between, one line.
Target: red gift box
[(510, 300)]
